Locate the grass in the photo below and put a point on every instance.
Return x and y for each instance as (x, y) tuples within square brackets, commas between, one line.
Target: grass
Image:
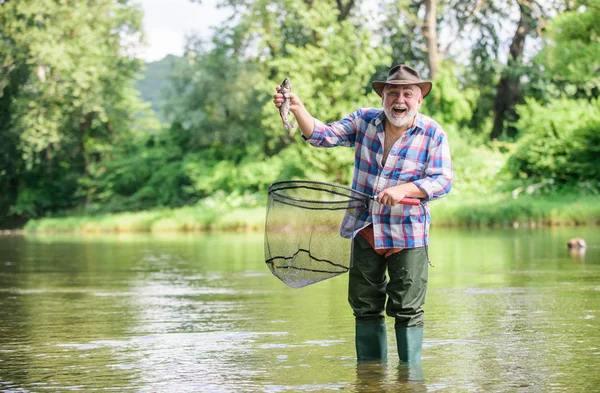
[(497, 211), (528, 210), (160, 220)]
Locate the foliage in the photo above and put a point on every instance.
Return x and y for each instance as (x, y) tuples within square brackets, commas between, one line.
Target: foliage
[(479, 169), (148, 173), (572, 57), (66, 94), (400, 30), (449, 103), (213, 102), (153, 81), (77, 140), (221, 99), (559, 143)]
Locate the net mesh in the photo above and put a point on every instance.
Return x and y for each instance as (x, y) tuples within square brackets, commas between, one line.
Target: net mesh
[(303, 239)]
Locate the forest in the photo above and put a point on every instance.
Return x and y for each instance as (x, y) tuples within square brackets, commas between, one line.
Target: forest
[(516, 86)]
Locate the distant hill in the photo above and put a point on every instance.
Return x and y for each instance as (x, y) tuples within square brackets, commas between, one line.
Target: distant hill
[(154, 78)]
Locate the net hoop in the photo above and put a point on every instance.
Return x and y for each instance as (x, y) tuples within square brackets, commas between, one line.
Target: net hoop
[(348, 196), (309, 229)]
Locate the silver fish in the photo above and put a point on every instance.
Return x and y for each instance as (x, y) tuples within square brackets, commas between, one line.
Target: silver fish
[(284, 109)]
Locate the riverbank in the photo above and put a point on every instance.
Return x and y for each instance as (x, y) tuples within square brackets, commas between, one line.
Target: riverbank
[(11, 232), (530, 211), (490, 212)]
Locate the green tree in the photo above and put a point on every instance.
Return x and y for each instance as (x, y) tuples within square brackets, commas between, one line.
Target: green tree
[(571, 58), (221, 99), (509, 92), (560, 142), (212, 100), (66, 75)]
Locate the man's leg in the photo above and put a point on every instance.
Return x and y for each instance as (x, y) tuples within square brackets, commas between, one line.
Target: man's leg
[(366, 295), (406, 295)]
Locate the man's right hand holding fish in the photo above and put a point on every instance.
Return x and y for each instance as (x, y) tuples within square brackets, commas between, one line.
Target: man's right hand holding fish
[(305, 120)]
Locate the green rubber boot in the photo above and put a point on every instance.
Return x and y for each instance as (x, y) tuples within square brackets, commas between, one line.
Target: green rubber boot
[(410, 343), (371, 342)]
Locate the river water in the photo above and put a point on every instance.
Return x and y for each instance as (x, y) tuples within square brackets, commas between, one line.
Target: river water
[(506, 311)]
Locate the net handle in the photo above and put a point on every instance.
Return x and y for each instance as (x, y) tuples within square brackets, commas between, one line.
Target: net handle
[(405, 201)]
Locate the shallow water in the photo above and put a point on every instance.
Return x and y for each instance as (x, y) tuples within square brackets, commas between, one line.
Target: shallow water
[(506, 311)]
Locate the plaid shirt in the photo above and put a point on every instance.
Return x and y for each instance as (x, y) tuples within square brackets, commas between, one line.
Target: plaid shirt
[(421, 156)]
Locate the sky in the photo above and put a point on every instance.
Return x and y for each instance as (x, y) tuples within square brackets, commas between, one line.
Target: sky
[(167, 22)]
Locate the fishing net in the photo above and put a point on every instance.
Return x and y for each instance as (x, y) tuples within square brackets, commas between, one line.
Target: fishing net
[(308, 230)]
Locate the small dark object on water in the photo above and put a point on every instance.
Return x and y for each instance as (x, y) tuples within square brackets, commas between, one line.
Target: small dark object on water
[(576, 243), (284, 109)]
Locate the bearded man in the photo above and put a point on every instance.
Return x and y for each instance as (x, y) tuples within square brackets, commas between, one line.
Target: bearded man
[(399, 153)]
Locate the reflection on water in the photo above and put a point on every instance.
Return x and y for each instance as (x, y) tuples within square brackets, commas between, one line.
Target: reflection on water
[(388, 377), (507, 311)]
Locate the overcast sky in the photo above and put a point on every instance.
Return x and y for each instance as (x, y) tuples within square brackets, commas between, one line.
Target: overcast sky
[(166, 23)]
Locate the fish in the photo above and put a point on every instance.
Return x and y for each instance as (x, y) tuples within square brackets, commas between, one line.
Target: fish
[(284, 109)]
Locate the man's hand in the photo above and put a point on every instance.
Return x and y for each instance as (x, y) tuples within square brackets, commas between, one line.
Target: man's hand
[(295, 102), (304, 119), (393, 195)]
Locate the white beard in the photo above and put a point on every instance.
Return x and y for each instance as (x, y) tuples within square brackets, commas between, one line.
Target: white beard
[(400, 121)]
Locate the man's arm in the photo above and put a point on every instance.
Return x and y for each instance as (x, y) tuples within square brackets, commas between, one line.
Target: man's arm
[(393, 195), (437, 182)]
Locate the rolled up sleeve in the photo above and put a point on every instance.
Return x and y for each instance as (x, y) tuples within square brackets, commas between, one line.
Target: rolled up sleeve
[(339, 133)]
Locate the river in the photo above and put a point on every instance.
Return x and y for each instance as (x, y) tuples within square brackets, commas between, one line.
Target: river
[(507, 311)]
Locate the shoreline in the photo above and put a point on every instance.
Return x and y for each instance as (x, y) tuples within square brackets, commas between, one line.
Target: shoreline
[(530, 212), (259, 228), (12, 232)]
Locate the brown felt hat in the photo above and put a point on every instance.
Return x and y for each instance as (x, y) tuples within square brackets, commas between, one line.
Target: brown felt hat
[(402, 75)]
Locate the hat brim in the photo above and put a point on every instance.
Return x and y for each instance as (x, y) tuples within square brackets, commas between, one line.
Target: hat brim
[(379, 85)]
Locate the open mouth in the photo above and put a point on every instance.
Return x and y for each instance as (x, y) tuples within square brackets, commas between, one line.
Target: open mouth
[(399, 111)]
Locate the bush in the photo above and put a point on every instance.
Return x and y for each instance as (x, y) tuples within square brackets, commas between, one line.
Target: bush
[(560, 142)]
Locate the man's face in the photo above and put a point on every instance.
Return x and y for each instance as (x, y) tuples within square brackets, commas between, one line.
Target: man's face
[(401, 104)]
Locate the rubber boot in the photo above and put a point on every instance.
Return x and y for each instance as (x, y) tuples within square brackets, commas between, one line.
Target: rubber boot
[(410, 342), (411, 372), (371, 342)]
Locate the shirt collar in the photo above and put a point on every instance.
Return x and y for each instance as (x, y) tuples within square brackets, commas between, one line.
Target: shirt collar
[(380, 122), (419, 122)]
